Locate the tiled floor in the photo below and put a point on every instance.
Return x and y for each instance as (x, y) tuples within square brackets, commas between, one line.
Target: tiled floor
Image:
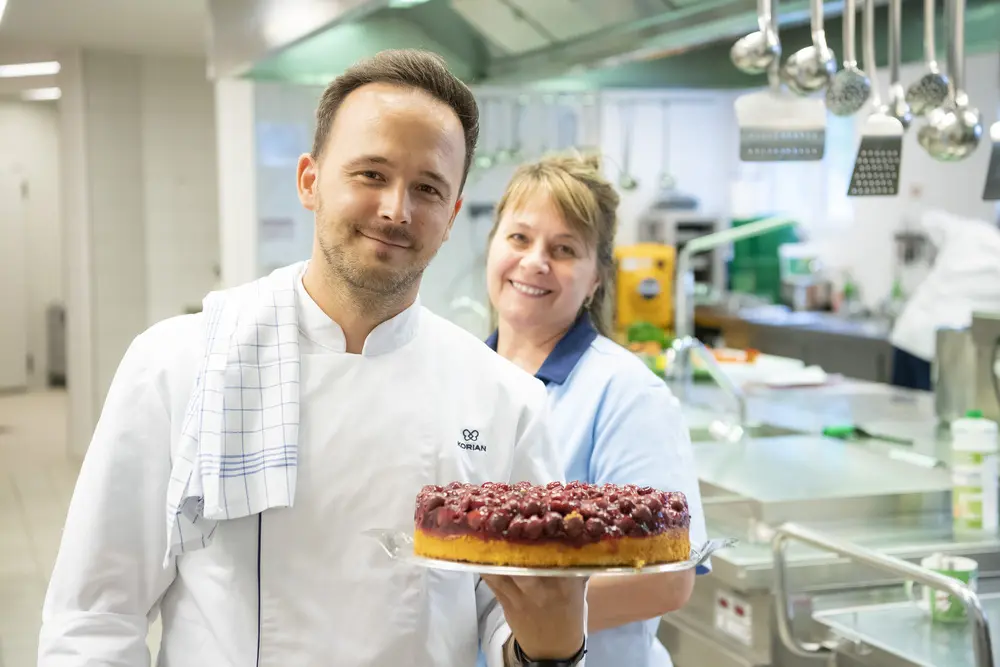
[(36, 483)]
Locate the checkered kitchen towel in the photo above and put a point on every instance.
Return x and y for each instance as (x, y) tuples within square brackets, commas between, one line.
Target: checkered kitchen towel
[(239, 444)]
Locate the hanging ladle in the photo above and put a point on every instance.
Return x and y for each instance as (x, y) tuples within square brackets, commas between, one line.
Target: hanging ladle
[(667, 180), (754, 53), (849, 88), (626, 181), (953, 130), (810, 69), (931, 90), (898, 107)]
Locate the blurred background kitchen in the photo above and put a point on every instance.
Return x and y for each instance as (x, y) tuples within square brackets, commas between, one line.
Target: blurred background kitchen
[(777, 219)]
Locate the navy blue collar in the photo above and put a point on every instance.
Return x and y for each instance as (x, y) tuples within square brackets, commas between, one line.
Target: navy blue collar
[(567, 352)]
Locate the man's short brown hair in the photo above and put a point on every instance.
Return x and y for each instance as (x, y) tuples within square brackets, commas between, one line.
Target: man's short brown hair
[(406, 67)]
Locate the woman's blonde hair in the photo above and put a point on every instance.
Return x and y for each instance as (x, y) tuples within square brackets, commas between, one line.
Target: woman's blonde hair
[(588, 203)]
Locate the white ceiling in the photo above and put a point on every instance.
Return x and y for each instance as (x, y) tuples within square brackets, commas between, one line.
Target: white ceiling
[(166, 27)]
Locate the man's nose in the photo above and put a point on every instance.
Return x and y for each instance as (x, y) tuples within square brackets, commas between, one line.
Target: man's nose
[(395, 204)]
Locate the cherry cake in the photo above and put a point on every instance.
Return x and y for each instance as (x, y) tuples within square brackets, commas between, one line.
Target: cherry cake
[(555, 525)]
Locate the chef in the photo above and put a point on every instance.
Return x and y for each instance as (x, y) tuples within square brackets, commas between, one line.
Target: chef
[(965, 278), (245, 453)]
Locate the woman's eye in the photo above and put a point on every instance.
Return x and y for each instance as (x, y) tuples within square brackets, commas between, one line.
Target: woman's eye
[(565, 251), (374, 175), (518, 238)]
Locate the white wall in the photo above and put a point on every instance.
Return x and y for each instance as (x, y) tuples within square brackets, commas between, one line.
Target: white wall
[(180, 193), (29, 152), (141, 232)]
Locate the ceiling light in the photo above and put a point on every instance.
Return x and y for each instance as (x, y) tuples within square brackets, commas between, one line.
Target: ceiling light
[(29, 69), (395, 3), (40, 94), (3, 6)]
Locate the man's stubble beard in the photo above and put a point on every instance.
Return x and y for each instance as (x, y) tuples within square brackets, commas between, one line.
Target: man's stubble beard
[(373, 289)]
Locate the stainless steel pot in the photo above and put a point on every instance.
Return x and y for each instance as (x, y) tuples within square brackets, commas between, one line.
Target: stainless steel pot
[(954, 373)]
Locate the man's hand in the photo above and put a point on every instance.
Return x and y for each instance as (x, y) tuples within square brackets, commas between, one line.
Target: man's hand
[(545, 614)]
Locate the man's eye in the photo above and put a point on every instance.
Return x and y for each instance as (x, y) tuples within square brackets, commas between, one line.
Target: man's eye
[(429, 189)]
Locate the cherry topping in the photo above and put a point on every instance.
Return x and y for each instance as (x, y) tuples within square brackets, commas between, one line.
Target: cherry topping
[(531, 507), (475, 519), (677, 505), (595, 527), (641, 514), (573, 525), (553, 522), (499, 521), (625, 524), (653, 503), (534, 527), (516, 527), (433, 501)]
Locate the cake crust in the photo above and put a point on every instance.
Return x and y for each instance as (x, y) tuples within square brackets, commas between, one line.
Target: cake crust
[(552, 526)]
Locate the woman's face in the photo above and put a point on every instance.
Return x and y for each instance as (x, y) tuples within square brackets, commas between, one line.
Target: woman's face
[(539, 270)]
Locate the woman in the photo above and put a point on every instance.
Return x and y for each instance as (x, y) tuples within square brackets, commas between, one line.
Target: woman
[(550, 273)]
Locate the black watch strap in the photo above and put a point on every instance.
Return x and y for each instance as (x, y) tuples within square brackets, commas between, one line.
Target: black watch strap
[(525, 661)]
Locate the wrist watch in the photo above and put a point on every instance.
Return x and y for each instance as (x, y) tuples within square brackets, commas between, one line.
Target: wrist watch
[(525, 661)]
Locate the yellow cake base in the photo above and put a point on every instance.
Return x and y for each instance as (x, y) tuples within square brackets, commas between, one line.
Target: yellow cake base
[(670, 547)]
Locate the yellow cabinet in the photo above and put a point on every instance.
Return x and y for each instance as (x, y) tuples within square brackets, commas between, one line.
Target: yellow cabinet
[(644, 285)]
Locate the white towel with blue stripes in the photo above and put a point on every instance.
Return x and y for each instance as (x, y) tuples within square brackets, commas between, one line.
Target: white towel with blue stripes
[(238, 447)]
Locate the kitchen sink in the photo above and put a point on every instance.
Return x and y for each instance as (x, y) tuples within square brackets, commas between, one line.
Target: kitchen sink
[(720, 432)]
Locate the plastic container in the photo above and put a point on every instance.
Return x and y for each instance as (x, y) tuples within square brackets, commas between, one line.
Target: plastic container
[(974, 471)]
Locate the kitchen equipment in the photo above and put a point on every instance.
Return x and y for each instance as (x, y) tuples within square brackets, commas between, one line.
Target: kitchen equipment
[(991, 191), (876, 170), (898, 107), (986, 338), (953, 373), (931, 90), (809, 70), (644, 280), (852, 432), (941, 606), (801, 271), (626, 181), (849, 88), (974, 470), (954, 129), (777, 126), (754, 53)]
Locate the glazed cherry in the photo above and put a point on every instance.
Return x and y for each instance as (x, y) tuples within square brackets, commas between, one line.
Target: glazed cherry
[(573, 525)]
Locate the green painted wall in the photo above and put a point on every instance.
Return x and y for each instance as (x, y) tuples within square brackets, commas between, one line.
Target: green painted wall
[(435, 26)]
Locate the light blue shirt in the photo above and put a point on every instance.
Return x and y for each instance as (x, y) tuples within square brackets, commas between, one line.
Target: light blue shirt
[(618, 423)]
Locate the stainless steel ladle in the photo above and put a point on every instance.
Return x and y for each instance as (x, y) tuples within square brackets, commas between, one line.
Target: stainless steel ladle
[(953, 130), (754, 53), (849, 88), (931, 90), (810, 69), (898, 108)]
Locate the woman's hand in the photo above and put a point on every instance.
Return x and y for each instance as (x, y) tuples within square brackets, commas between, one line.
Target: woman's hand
[(545, 614)]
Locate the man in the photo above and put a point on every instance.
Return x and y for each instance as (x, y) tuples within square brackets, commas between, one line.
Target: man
[(256, 444), (965, 278)]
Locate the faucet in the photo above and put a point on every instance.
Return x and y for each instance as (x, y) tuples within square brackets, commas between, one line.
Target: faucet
[(681, 352), (684, 286), (685, 344)]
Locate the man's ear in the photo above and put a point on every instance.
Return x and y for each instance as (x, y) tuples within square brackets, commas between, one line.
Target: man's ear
[(307, 180), (454, 214)]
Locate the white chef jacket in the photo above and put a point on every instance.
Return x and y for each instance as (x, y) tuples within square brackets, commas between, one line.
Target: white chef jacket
[(298, 586), (965, 278)]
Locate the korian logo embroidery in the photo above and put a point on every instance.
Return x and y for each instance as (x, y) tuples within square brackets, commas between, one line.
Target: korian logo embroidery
[(469, 440)]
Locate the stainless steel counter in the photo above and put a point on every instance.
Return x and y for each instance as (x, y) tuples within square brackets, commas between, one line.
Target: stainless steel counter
[(888, 497), (906, 634)]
